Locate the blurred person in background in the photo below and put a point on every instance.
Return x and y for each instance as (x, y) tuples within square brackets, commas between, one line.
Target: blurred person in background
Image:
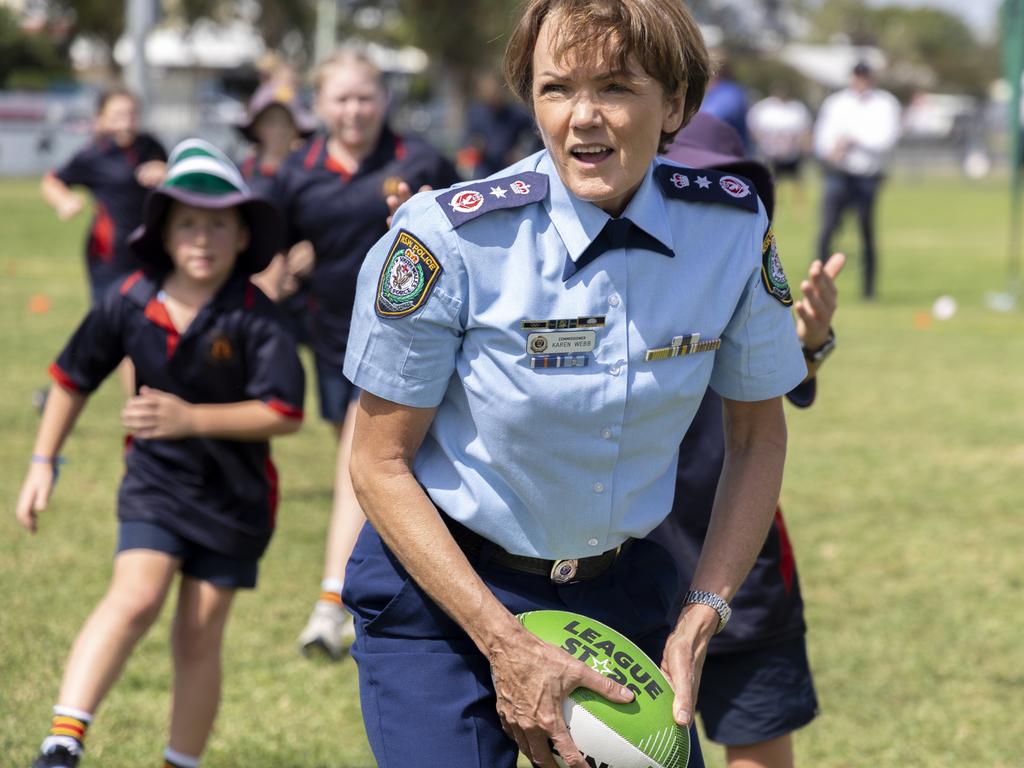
[(854, 135), (756, 688), (727, 100), (333, 192), (275, 124), (498, 130), (780, 127), (118, 167)]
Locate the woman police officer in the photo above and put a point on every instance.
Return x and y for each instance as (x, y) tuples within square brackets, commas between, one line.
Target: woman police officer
[(531, 349)]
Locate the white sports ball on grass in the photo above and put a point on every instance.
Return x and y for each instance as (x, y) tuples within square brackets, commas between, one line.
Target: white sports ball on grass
[(641, 734)]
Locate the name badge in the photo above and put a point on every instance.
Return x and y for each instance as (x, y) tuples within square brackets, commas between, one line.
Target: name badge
[(561, 342)]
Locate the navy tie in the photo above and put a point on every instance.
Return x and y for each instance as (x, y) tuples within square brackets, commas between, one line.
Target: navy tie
[(616, 233)]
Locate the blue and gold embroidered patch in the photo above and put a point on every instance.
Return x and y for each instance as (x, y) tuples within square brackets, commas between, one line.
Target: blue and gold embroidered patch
[(409, 274), (772, 274)]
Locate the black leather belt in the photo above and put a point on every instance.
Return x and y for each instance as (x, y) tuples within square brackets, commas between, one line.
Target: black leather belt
[(567, 571)]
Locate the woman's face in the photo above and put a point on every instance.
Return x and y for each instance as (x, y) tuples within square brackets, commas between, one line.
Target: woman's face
[(601, 127), (275, 130), (119, 119), (352, 104)]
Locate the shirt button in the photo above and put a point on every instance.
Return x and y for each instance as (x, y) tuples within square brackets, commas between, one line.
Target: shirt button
[(614, 300), (606, 433), (613, 369), (598, 487), (593, 542)]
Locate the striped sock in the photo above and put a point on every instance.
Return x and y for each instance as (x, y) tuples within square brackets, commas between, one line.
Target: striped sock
[(330, 591), (67, 729), (175, 759)]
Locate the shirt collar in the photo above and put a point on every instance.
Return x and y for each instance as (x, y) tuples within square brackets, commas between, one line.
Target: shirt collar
[(579, 222)]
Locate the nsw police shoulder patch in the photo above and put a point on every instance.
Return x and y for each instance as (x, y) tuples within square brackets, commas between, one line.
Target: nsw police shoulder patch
[(409, 274), (772, 274)]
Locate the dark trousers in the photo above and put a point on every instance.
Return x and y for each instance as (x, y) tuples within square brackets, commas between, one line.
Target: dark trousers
[(426, 691), (842, 191)]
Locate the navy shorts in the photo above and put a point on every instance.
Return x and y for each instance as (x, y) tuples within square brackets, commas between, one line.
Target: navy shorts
[(426, 690), (335, 391), (196, 560), (753, 696)]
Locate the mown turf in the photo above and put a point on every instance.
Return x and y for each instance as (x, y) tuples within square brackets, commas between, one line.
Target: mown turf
[(903, 494)]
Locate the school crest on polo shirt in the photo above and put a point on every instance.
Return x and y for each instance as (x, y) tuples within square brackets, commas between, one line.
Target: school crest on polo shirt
[(772, 274), (220, 350), (409, 274)]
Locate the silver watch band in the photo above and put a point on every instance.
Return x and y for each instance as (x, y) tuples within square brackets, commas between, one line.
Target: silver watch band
[(714, 601)]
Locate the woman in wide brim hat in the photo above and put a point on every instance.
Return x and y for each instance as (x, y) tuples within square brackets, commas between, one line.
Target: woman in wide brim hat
[(284, 97), (202, 176)]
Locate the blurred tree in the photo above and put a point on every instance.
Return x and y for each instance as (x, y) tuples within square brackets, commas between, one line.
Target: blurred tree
[(26, 56), (915, 40)]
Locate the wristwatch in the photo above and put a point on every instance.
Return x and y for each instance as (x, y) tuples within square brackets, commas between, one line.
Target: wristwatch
[(714, 601), (819, 354)]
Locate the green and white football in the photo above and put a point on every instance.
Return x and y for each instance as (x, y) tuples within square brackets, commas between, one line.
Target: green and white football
[(641, 734)]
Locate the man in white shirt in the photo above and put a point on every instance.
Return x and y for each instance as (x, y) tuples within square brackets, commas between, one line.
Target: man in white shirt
[(853, 137), (781, 127)]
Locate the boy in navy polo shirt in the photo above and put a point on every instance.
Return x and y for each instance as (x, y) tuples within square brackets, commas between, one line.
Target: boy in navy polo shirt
[(218, 376), (118, 167)]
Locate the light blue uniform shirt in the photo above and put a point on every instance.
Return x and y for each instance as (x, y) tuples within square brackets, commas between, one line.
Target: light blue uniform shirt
[(569, 461)]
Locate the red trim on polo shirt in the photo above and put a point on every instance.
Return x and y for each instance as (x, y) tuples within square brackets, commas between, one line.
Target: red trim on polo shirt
[(60, 376), (250, 296), (400, 150), (130, 281), (333, 165), (787, 561), (101, 240), (314, 153), (248, 167), (156, 313), (286, 410)]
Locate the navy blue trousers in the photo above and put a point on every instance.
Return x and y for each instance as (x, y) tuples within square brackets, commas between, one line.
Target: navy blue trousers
[(425, 689), (843, 191)]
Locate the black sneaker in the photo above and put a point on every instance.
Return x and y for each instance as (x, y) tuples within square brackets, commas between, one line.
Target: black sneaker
[(57, 757)]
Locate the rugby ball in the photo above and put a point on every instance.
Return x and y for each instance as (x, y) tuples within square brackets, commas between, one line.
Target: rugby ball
[(641, 734)]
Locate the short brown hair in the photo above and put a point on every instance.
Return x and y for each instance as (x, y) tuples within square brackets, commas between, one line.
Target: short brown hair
[(113, 92), (661, 34)]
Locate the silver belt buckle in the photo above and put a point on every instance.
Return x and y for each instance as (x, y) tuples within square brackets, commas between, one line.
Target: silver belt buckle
[(564, 571)]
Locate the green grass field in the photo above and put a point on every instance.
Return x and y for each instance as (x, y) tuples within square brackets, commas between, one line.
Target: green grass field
[(903, 494)]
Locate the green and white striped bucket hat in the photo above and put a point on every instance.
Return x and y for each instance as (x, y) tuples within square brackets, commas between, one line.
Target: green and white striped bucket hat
[(201, 175)]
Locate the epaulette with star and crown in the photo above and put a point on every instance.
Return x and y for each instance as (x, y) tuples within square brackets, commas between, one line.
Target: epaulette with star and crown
[(703, 185), (469, 201)]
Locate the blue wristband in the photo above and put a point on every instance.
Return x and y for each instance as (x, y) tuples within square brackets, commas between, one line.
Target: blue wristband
[(53, 461)]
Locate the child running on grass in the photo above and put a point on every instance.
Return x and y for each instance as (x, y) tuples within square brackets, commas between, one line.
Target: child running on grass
[(218, 376)]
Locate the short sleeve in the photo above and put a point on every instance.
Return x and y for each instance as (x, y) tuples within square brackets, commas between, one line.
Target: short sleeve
[(95, 349), (275, 373), (760, 356), (77, 171), (804, 393), (406, 352)]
